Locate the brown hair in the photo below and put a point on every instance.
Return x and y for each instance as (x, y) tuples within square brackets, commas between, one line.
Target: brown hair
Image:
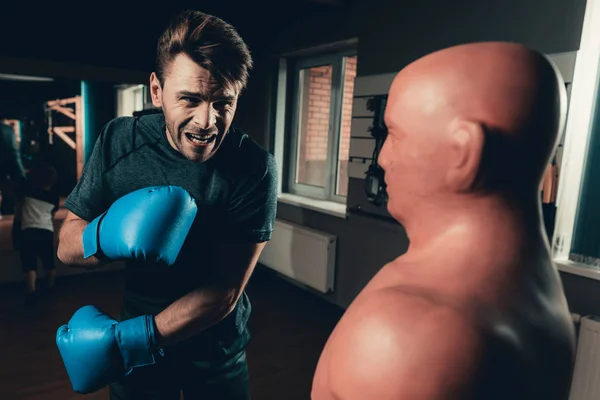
[(211, 42)]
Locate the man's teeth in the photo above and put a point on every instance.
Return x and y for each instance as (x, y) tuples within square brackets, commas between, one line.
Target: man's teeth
[(201, 138)]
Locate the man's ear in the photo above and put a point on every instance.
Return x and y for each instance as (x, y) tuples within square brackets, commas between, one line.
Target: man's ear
[(466, 146), (156, 90)]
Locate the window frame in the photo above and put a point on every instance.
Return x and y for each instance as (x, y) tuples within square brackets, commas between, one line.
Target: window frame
[(585, 92), (337, 59), (134, 94)]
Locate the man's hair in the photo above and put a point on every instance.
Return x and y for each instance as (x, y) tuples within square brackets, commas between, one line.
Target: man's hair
[(211, 42)]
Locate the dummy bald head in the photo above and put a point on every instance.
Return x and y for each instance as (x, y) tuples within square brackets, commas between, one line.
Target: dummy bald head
[(476, 117)]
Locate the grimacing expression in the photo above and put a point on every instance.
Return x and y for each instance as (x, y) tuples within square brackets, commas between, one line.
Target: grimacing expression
[(198, 111)]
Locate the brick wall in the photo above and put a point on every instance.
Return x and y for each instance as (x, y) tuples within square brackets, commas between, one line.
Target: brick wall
[(318, 112), (344, 151), (314, 126)]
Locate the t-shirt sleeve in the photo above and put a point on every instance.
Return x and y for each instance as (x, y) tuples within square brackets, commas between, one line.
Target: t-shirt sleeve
[(85, 200), (253, 208)]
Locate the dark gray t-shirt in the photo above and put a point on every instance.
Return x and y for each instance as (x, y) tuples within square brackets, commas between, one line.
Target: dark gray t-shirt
[(236, 194)]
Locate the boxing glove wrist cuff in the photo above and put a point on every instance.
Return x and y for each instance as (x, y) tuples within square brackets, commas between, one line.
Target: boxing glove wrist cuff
[(136, 338), (91, 241)]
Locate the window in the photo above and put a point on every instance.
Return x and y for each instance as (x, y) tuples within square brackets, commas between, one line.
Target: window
[(131, 99), (576, 240), (321, 94)]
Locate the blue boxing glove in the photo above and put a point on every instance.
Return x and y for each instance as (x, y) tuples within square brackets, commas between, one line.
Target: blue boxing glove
[(97, 350), (149, 224)]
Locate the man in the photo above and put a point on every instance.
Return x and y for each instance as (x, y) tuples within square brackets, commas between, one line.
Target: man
[(196, 332), (475, 308)]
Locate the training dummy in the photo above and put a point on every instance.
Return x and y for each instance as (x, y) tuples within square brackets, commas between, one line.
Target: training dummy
[(475, 308)]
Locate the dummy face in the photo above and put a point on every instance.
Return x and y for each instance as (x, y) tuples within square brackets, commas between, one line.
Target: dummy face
[(417, 154), (198, 111)]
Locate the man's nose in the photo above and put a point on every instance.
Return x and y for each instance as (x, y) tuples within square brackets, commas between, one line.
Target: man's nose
[(204, 116)]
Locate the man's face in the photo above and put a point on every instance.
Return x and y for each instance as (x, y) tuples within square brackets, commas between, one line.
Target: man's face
[(198, 111)]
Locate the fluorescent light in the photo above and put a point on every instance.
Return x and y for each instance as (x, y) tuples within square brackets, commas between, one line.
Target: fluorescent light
[(11, 77)]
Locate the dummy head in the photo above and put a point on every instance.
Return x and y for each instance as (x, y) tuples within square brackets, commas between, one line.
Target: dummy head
[(472, 120)]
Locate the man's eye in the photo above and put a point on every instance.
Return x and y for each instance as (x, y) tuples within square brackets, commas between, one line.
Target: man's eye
[(222, 104), (189, 99)]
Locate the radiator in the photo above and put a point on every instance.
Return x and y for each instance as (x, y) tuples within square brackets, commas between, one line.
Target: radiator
[(586, 376), (304, 255)]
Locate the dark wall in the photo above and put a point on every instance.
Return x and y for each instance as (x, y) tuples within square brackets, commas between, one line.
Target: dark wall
[(24, 99), (390, 35), (397, 32), (125, 38)]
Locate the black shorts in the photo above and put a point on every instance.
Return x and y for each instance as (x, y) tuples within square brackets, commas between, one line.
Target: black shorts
[(175, 373), (36, 243), (16, 234), (207, 369)]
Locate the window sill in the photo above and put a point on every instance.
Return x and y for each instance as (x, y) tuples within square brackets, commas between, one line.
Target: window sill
[(575, 268), (326, 207)]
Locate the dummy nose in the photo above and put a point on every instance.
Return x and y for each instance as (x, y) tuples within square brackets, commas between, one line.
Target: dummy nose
[(382, 158)]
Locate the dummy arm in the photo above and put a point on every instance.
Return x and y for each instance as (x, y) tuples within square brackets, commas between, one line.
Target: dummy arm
[(204, 307)]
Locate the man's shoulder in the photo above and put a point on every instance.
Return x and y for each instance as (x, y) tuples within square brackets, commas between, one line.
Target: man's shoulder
[(256, 158), (123, 133), (405, 339), (130, 124), (116, 130), (119, 124)]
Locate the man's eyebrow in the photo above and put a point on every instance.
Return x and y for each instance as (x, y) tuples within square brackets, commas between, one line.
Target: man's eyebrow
[(203, 96)]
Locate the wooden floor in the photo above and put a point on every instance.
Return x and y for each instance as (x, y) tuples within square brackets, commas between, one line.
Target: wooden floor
[(288, 324)]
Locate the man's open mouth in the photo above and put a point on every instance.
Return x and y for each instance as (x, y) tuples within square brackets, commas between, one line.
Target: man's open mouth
[(201, 138)]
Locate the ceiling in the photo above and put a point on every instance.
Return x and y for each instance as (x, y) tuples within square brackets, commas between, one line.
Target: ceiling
[(125, 37)]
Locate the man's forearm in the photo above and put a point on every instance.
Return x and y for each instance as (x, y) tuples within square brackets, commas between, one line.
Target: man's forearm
[(192, 314), (70, 245)]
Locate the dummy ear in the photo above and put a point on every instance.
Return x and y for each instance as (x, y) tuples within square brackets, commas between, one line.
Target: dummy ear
[(466, 142), (155, 90)]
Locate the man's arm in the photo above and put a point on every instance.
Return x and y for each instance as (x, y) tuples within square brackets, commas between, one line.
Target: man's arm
[(204, 307), (251, 215), (70, 243), (84, 204)]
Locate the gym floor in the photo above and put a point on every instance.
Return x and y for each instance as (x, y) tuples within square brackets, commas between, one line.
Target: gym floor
[(289, 328)]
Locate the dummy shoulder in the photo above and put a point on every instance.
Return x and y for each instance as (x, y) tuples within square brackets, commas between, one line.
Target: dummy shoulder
[(399, 346)]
